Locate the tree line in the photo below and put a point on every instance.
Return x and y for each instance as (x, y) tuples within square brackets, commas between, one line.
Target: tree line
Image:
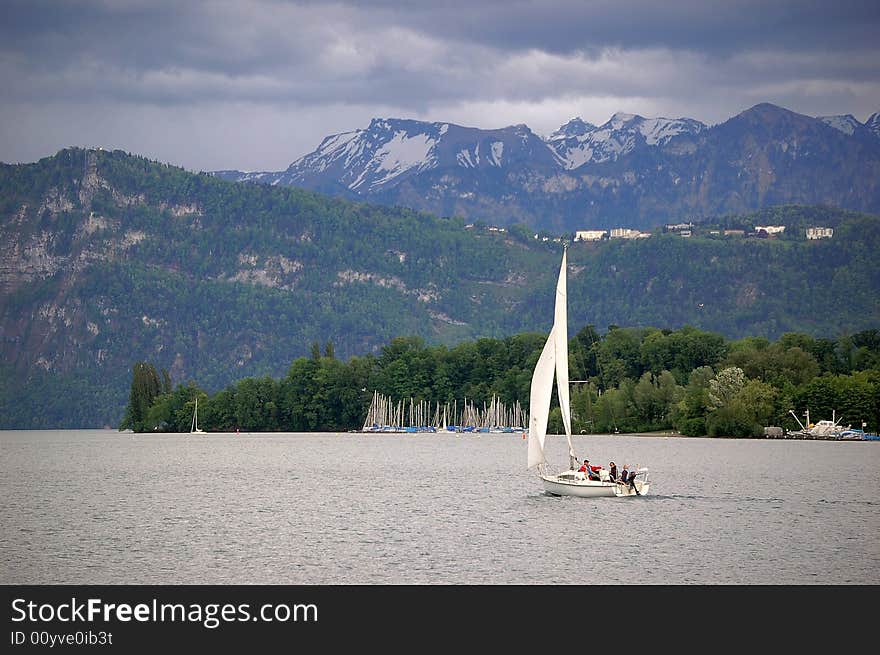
[(626, 380)]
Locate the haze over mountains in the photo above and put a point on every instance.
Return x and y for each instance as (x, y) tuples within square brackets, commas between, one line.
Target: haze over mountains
[(631, 171)]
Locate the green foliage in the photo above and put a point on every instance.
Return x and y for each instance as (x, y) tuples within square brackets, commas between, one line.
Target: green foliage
[(323, 393), (724, 387), (146, 387), (688, 415)]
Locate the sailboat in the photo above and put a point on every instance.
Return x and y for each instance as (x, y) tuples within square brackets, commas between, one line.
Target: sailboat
[(554, 360), (194, 426)]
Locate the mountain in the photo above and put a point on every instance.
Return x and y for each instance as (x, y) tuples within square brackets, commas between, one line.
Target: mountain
[(629, 172), (578, 144), (873, 124), (109, 259)]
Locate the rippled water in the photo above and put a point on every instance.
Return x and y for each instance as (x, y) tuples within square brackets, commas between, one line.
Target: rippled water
[(94, 507)]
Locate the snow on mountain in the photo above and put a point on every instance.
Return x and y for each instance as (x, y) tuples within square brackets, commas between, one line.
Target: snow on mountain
[(471, 158), (398, 155), (573, 128), (365, 159), (511, 173), (846, 123), (873, 123), (390, 150), (578, 142)]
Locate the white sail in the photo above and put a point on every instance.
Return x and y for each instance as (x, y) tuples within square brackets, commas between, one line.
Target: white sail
[(560, 329), (553, 359), (539, 400)]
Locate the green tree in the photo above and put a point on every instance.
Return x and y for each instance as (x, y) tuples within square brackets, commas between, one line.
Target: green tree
[(689, 413), (146, 385), (724, 386)]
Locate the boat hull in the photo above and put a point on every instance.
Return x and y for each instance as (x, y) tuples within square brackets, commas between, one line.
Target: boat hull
[(590, 488)]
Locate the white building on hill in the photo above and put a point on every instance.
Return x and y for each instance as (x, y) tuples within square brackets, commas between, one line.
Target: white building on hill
[(628, 233), (589, 235), (819, 232), (770, 229)]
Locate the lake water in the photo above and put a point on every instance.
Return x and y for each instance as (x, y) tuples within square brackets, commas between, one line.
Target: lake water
[(100, 507)]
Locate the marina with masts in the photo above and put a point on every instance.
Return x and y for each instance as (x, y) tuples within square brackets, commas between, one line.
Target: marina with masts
[(411, 415)]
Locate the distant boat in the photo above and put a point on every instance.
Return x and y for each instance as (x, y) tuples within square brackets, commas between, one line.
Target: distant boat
[(194, 427), (824, 429), (857, 435), (554, 359)]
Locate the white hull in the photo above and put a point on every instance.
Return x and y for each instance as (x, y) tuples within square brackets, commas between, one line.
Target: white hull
[(568, 485)]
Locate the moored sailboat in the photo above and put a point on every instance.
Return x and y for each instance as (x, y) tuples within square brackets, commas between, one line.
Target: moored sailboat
[(554, 361), (194, 426)]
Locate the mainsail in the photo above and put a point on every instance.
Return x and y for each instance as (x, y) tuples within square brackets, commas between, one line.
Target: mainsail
[(554, 358)]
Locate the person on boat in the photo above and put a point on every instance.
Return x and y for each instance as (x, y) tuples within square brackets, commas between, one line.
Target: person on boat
[(590, 471), (612, 472), (629, 479)]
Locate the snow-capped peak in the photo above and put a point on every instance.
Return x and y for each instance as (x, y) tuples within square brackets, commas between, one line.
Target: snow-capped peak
[(873, 123), (578, 142), (846, 123), (390, 150), (619, 119), (574, 128), (370, 157)]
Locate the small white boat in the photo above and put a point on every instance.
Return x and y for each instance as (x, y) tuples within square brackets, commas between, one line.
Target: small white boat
[(576, 483), (554, 360)]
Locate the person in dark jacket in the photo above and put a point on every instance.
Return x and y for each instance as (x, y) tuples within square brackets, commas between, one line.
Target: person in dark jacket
[(612, 472), (631, 480)]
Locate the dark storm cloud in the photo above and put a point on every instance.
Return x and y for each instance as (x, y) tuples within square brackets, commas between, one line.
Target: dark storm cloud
[(117, 70), (717, 27)]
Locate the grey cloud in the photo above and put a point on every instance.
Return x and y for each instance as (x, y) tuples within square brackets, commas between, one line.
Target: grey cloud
[(231, 60), (712, 26)]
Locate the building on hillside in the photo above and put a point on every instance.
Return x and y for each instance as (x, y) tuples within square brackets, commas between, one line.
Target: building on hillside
[(684, 233), (819, 232), (734, 233), (679, 227), (627, 233), (770, 229), (590, 235)]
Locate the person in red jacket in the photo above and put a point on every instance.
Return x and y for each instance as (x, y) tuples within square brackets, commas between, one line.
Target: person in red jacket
[(591, 471)]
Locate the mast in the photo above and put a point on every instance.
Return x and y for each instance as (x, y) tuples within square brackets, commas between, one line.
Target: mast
[(560, 321)]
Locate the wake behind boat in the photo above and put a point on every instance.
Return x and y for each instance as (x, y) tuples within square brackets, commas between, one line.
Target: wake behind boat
[(554, 359)]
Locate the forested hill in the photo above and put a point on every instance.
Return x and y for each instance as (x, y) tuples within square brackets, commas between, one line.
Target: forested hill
[(110, 258)]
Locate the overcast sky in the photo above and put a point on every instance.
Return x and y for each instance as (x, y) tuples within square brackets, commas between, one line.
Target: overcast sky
[(254, 85)]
